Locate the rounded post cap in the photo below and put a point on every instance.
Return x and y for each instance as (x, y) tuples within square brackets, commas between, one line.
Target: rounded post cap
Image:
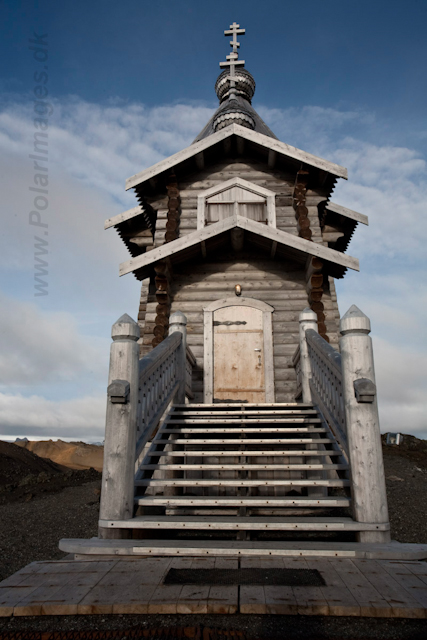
[(178, 317), (354, 321), (125, 328), (308, 315)]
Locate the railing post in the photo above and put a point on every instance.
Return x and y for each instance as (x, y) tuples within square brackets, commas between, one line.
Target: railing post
[(178, 322), (117, 493), (363, 429), (307, 320)]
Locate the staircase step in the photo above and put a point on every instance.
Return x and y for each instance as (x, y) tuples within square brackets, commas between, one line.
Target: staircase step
[(234, 454), (237, 523), (237, 548), (242, 501), (246, 467), (243, 405), (244, 430), (190, 482), (248, 441), (234, 420), (216, 415)]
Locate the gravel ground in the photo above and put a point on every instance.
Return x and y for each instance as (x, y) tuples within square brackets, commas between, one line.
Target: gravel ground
[(254, 627), (72, 512)]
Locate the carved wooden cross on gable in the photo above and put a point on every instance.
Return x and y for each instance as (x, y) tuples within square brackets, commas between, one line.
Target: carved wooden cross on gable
[(233, 58)]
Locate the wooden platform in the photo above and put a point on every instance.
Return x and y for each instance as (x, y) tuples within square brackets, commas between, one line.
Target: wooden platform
[(354, 587)]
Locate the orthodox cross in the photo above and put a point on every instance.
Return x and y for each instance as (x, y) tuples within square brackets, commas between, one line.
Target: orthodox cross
[(233, 58)]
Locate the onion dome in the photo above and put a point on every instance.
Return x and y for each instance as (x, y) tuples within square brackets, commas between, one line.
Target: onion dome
[(244, 85)]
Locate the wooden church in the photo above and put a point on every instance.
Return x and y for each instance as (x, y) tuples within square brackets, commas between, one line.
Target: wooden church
[(241, 410), (237, 231)]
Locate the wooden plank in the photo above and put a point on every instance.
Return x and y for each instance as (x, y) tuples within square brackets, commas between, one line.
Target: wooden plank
[(419, 569), (249, 501), (241, 523), (166, 547), (165, 598), (402, 603), (243, 420), (252, 599), (249, 441), (66, 600), (248, 430), (31, 604), (235, 453), (122, 217), (408, 581), (348, 213), (250, 467), (368, 598), (340, 600), (190, 482), (310, 600), (242, 413)]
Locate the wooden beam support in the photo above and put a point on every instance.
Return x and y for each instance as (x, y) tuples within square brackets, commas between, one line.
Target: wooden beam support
[(200, 160), (162, 280), (174, 209), (226, 145), (273, 249), (314, 288), (237, 239), (272, 158), (163, 268), (299, 204), (240, 143)]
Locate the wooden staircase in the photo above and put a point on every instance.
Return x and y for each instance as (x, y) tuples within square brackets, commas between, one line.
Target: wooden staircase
[(259, 474)]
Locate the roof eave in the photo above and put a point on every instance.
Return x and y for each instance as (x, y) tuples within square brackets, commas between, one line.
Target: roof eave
[(253, 136), (275, 235)]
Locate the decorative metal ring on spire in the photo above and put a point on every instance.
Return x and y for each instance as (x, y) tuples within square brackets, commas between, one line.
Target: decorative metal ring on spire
[(244, 85)]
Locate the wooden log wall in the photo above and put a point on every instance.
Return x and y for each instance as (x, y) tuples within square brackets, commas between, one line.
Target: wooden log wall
[(281, 284), (314, 274)]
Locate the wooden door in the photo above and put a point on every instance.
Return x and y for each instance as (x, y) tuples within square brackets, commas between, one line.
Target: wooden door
[(238, 354)]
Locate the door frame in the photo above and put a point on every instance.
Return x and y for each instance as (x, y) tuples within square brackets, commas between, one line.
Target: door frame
[(208, 351)]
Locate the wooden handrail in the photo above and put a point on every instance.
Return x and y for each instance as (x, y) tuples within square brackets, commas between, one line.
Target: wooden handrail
[(149, 363), (158, 384), (326, 384)]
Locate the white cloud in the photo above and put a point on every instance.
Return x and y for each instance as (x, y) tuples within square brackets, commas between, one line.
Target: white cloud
[(93, 148), (402, 383), (37, 347), (82, 418)]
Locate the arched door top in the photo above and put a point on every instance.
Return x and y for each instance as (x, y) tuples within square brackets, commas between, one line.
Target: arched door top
[(235, 302)]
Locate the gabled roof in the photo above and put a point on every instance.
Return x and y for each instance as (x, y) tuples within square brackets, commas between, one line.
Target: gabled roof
[(264, 141), (296, 246)]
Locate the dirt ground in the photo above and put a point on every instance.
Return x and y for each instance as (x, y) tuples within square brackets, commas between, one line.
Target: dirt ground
[(42, 502)]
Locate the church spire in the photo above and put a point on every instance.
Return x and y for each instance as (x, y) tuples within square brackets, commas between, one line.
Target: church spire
[(235, 88)]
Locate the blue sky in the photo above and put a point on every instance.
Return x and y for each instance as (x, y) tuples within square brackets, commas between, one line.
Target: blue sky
[(130, 83)]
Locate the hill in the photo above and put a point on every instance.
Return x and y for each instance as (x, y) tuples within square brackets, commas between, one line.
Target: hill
[(74, 455)]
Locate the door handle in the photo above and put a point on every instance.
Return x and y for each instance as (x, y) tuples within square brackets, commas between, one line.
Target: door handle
[(257, 349)]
